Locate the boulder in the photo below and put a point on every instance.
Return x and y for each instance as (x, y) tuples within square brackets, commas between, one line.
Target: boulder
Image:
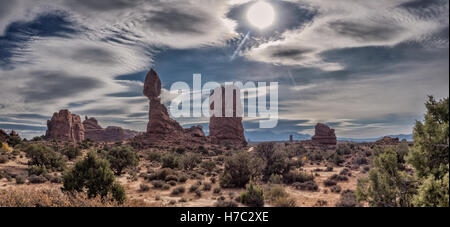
[(324, 135), (65, 126)]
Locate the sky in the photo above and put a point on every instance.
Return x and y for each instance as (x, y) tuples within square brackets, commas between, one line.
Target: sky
[(363, 67)]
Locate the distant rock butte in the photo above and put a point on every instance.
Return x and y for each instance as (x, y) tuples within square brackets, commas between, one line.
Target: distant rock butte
[(388, 141), (227, 129), (324, 135), (65, 126), (95, 132)]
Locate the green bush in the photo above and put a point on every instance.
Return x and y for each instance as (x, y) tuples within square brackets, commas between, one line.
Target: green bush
[(37, 170), (178, 190), (122, 157), (170, 161), (72, 152), (238, 170), (154, 156), (190, 161), (297, 176), (348, 199), (208, 165), (253, 196), (41, 155), (275, 161), (95, 175)]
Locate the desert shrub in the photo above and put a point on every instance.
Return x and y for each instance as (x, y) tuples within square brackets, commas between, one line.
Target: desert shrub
[(72, 152), (225, 203), (178, 190), (239, 168), (96, 176), (14, 140), (56, 180), (194, 187), (275, 160), (360, 160), (20, 179), (144, 187), (170, 161), (275, 192), (208, 165), (180, 150), (190, 161), (306, 186), (171, 178), (284, 202), (154, 156), (253, 196), (4, 159), (182, 179), (297, 176), (37, 179), (198, 193), (172, 183), (160, 174), (122, 157), (328, 182), (207, 186), (202, 150), (37, 170), (275, 179), (343, 149), (158, 184), (217, 190), (348, 199), (336, 159), (338, 178), (41, 155), (336, 189)]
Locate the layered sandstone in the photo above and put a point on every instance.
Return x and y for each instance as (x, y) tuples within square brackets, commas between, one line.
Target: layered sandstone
[(65, 126), (226, 120), (324, 135)]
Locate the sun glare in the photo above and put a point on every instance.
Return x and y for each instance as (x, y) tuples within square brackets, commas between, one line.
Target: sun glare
[(261, 14)]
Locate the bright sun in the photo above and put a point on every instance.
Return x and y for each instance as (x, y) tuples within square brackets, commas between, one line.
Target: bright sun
[(261, 14)]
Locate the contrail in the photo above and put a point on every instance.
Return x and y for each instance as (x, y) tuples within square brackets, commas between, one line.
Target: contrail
[(236, 52)]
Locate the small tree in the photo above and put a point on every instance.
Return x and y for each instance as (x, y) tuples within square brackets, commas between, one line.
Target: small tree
[(239, 169), (72, 152), (41, 155), (387, 185), (96, 176), (275, 161), (122, 157), (430, 156), (190, 161), (254, 196)]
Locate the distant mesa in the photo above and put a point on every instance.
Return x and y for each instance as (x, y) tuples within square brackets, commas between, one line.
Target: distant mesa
[(387, 140), (96, 133), (65, 126), (324, 135)]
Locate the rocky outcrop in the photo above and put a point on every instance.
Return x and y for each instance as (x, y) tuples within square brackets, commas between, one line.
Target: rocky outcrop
[(225, 128), (324, 135), (96, 133), (65, 126), (161, 127), (160, 124), (388, 141), (3, 136)]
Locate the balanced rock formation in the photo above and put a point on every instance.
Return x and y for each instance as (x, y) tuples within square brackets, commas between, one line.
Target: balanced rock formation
[(225, 123), (324, 135), (388, 141), (161, 127), (95, 132), (65, 126)]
